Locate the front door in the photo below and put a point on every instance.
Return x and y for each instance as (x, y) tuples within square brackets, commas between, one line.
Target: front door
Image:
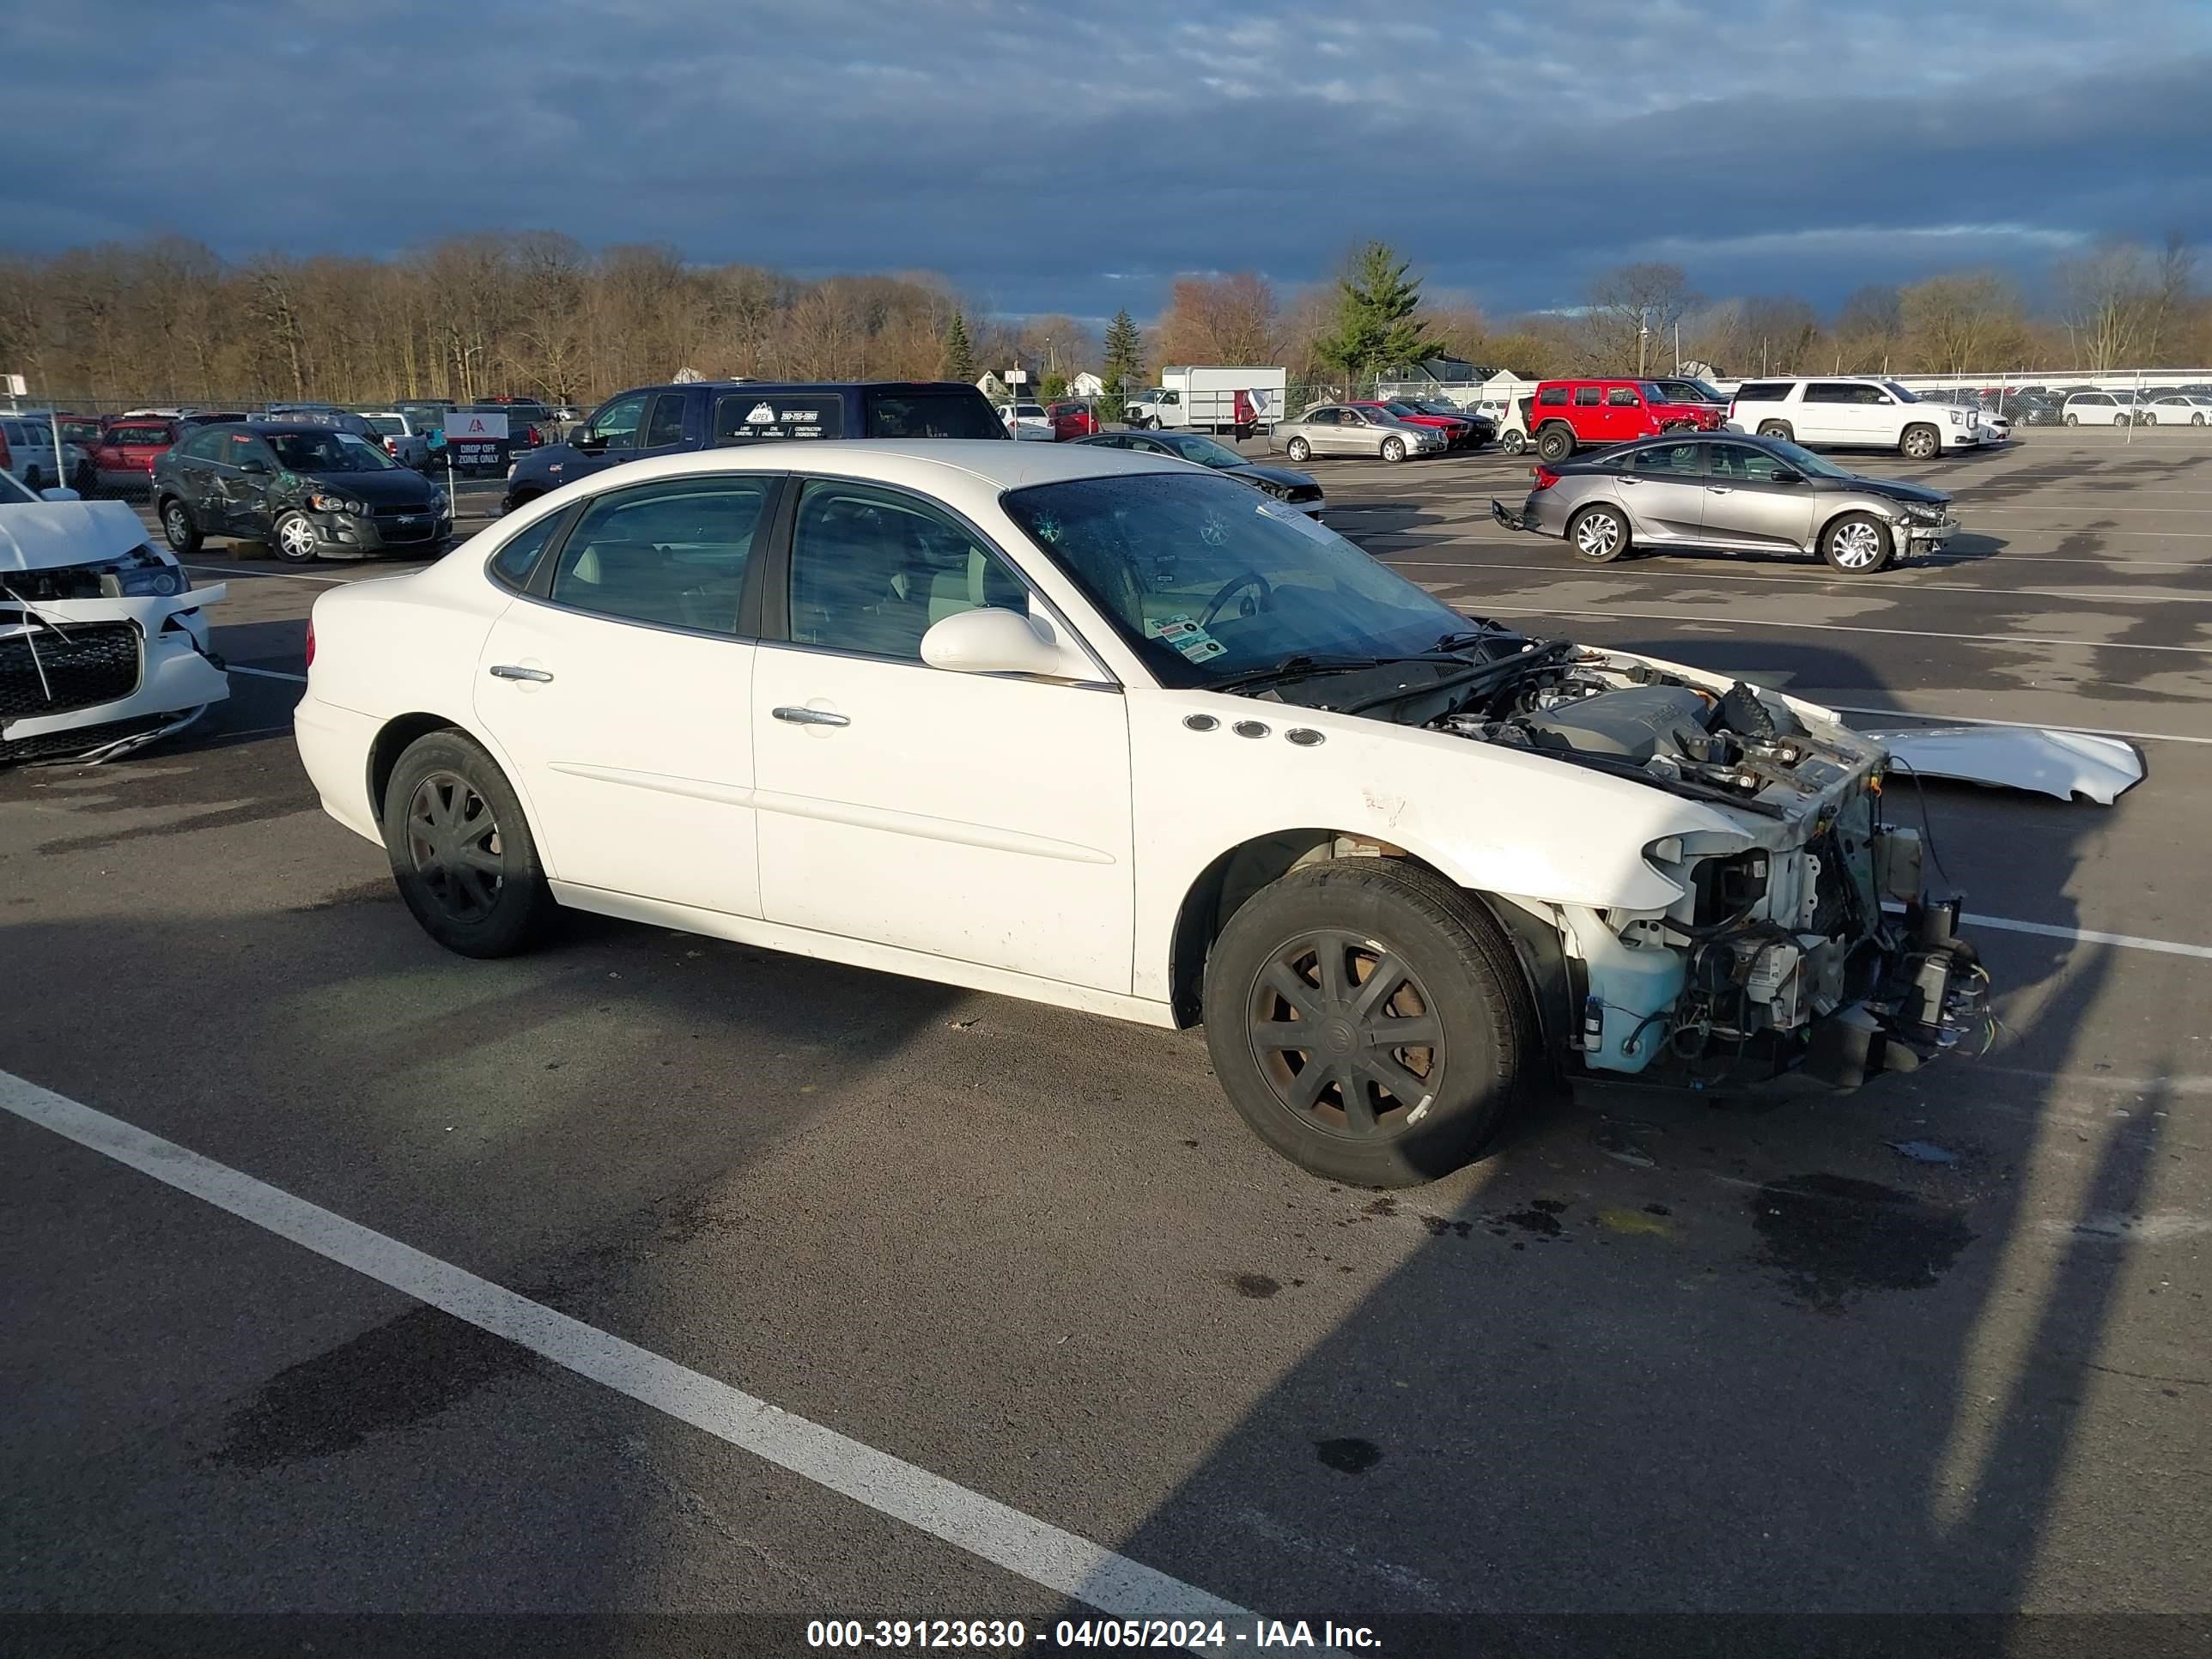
[(1664, 488), (620, 693), (1624, 414), (977, 817), (1744, 503), (238, 486)]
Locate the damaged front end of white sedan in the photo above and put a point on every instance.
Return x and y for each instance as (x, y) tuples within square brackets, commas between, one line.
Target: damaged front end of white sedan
[(1790, 931), (1804, 939), (104, 646)]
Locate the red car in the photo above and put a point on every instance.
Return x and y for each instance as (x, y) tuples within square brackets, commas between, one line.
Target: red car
[(128, 447), (1457, 432), (1072, 420), (1567, 414)]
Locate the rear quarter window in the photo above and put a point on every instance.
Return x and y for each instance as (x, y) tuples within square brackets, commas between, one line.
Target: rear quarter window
[(1763, 391), (931, 414)]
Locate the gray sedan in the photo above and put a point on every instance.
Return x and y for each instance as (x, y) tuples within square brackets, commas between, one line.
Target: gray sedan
[(1737, 493), (1341, 430)]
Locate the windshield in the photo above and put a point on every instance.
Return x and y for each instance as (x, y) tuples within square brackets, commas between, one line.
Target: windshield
[(1192, 448), (1206, 583), (327, 452), (1903, 394)]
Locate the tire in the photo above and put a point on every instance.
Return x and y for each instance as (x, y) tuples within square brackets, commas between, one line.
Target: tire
[(2197, 419), (2149, 419), (178, 529), (1515, 443), (1856, 544), (2073, 420), (1781, 429), (1920, 442), (443, 788), (294, 540), (1438, 944), (1393, 450), (1555, 442), (1298, 450), (1606, 530)]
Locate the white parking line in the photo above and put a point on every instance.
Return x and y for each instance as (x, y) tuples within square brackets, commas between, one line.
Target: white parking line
[(1857, 583), (1036, 1550), (273, 575), (1839, 628), (2089, 936), (268, 674)]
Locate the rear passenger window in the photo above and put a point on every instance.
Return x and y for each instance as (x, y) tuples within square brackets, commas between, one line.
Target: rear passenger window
[(673, 554), (1669, 460), (1552, 394), (1587, 396), (870, 571), (514, 562), (666, 426)]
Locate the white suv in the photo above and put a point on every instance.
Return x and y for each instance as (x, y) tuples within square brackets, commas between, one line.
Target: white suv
[(1848, 410)]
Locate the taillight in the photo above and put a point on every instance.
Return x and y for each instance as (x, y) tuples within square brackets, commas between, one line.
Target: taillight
[(1544, 476), (311, 642), (392, 446)]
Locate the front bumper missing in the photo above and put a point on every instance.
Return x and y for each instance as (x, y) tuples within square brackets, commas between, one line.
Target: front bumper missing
[(1936, 996)]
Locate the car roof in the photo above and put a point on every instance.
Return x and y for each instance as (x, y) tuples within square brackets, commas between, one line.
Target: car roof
[(1002, 464)]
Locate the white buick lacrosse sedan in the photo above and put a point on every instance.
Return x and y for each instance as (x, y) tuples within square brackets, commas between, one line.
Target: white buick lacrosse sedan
[(1103, 729)]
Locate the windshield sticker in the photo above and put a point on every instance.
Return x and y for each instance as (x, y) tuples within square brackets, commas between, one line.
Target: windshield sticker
[(1186, 636), (1283, 513)]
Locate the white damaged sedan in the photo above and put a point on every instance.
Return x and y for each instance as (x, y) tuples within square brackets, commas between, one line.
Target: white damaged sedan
[(1103, 730), (103, 644)]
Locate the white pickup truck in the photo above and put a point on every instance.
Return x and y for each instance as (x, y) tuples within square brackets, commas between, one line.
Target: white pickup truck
[(1844, 412)]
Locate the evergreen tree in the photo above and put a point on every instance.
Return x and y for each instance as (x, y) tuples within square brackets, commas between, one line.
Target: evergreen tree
[(1125, 364), (1054, 387), (959, 363), (1375, 331)]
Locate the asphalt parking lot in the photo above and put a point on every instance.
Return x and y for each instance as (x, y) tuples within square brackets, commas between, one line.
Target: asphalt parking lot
[(1650, 1356)]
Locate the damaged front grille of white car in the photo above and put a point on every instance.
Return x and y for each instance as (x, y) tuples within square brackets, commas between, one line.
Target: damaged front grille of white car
[(100, 656)]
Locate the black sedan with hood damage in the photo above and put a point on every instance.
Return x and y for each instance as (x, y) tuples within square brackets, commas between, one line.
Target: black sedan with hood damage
[(308, 491)]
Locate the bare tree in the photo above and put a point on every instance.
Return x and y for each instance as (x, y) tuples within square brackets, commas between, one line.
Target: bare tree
[(1220, 320), (1972, 320), (1631, 311), (2110, 297)]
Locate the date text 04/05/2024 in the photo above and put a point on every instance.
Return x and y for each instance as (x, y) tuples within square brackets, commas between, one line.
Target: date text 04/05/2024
[(1170, 1633)]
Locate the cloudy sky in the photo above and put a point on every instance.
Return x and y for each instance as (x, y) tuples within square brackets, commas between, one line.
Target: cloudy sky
[(1051, 157)]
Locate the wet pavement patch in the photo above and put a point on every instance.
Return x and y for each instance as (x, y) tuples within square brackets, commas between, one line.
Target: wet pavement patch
[(1542, 1217), (402, 1371), (1349, 1456), (1258, 1286), (1834, 1238)]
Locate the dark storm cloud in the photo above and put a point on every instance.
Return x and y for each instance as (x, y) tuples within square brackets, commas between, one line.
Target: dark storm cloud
[(1048, 159)]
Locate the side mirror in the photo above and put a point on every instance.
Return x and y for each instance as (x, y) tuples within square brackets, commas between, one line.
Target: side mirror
[(995, 641), (1784, 475), (590, 442), (58, 493), (253, 465)]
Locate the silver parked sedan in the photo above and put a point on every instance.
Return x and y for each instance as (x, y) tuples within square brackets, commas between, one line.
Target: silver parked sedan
[(1341, 430), (1733, 492)]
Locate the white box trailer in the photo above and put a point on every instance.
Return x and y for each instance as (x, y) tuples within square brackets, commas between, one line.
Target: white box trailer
[(1215, 397)]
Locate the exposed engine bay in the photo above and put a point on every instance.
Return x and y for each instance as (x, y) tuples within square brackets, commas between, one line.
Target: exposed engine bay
[(1803, 940)]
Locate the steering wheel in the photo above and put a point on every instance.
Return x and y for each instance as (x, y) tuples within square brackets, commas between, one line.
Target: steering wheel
[(1230, 588)]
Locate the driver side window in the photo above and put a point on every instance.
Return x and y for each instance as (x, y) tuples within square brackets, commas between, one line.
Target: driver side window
[(872, 570), (615, 426)]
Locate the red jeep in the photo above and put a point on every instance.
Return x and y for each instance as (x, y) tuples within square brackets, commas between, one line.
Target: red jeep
[(1568, 415)]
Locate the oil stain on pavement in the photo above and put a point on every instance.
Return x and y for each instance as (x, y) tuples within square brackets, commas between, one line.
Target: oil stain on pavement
[(1834, 1238)]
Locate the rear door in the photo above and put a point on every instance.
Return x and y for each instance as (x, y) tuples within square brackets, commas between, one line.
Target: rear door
[(1746, 505), (1825, 413), (1664, 487), (1589, 416)]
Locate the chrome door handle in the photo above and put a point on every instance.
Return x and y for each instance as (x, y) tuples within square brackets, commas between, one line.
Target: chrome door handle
[(507, 671), (810, 716), (1717, 489)]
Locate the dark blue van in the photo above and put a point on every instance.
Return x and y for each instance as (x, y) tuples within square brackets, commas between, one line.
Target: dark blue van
[(668, 420)]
